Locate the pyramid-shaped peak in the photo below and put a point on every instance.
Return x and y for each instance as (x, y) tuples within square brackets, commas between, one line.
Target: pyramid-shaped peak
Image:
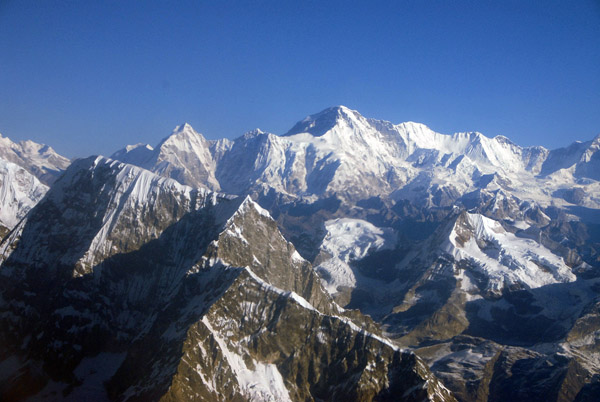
[(226, 212), (339, 110), (182, 135), (503, 140), (183, 127), (320, 123)]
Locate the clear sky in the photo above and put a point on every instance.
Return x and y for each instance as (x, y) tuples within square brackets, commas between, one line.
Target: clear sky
[(88, 77)]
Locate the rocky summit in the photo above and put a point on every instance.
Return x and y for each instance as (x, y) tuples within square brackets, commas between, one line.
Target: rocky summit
[(350, 259)]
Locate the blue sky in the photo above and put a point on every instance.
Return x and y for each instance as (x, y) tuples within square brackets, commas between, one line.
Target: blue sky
[(89, 77)]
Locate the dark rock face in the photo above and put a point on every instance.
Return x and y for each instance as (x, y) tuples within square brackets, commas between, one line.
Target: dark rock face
[(188, 296)]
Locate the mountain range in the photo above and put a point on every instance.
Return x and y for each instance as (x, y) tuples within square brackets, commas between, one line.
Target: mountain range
[(349, 259)]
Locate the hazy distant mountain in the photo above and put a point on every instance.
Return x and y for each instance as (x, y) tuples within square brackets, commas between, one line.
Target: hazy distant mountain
[(38, 159)]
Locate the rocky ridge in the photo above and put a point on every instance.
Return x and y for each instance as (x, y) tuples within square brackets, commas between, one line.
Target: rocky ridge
[(229, 308)]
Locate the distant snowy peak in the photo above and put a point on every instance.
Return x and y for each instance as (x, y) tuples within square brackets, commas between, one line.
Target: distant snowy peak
[(563, 158), (185, 127), (183, 138), (583, 157), (26, 170), (339, 152), (38, 159), (138, 154), (320, 123), (348, 127), (182, 135), (131, 148), (253, 133), (185, 155)]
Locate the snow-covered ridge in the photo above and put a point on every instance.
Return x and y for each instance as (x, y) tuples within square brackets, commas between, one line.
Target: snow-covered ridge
[(286, 294), (502, 257), (339, 152), (226, 213), (498, 151), (105, 207), (137, 183), (133, 190), (19, 192), (138, 154), (302, 302), (249, 203)]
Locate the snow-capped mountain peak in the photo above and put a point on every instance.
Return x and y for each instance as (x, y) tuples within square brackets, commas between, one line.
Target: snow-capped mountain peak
[(338, 151), (38, 159), (183, 127), (182, 133), (253, 133), (185, 155), (322, 122), (582, 157), (26, 170)]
